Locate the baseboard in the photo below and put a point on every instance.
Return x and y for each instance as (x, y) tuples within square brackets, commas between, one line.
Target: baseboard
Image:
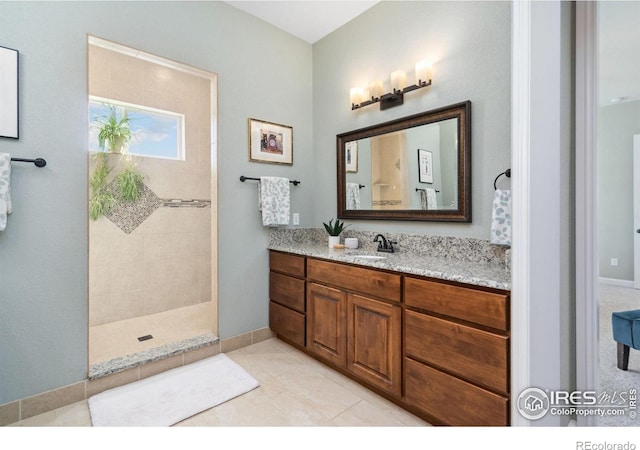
[(617, 282), (24, 408)]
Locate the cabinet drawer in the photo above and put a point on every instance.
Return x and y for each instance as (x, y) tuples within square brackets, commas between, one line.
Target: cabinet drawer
[(287, 291), (367, 281), (287, 323), (481, 307), (286, 263), (476, 355), (451, 400)]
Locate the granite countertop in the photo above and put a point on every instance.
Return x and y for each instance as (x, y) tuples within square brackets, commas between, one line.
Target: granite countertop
[(478, 273)]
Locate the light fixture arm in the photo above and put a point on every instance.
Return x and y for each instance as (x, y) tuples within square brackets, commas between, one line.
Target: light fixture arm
[(391, 99)]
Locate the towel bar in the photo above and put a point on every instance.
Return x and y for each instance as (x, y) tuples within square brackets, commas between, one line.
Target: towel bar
[(243, 179), (39, 162)]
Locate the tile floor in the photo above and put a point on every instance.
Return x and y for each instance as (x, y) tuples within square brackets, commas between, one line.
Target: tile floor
[(120, 338), (295, 391)]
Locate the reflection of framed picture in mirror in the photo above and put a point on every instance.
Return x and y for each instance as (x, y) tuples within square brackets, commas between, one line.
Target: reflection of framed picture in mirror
[(351, 156), (425, 164), (270, 142), (8, 93)]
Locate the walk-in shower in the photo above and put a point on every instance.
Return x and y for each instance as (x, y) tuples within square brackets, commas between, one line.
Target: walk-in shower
[(152, 207)]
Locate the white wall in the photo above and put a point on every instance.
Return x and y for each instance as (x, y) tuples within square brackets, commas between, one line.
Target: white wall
[(616, 126), (263, 73), (470, 45)]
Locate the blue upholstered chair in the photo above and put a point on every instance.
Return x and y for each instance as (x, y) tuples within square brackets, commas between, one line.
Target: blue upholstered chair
[(626, 332)]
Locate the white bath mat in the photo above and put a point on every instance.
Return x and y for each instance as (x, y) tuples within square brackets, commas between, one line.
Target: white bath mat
[(172, 396)]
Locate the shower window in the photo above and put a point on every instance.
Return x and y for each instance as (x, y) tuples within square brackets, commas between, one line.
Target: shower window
[(156, 133)]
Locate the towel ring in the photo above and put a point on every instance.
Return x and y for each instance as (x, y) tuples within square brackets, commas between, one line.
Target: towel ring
[(506, 173)]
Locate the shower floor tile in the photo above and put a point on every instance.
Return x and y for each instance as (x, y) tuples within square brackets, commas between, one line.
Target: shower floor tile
[(117, 339)]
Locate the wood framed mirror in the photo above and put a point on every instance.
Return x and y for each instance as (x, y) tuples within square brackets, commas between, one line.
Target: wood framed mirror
[(414, 168)]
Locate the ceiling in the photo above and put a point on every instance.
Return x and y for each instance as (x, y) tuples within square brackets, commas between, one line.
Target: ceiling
[(618, 41), (308, 20)]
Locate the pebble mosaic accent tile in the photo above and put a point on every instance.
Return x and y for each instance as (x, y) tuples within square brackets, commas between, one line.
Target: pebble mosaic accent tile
[(129, 215)]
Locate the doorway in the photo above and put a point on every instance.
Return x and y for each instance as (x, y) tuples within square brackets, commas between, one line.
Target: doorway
[(152, 258), (595, 300)]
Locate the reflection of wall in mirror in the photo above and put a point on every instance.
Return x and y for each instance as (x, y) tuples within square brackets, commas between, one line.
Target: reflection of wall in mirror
[(424, 137), (442, 141), (449, 163)]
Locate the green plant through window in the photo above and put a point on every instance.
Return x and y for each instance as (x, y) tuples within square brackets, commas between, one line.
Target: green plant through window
[(154, 132)]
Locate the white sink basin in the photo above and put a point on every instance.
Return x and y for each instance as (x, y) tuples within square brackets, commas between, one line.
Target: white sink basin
[(369, 256)]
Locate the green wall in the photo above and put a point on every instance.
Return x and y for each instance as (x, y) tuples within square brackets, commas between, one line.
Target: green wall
[(616, 126), (262, 73), (470, 45)]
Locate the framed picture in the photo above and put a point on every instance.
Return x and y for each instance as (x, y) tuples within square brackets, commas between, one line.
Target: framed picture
[(425, 166), (8, 93), (351, 155), (270, 142)]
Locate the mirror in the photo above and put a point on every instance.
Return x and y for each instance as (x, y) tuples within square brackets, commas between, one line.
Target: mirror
[(413, 168)]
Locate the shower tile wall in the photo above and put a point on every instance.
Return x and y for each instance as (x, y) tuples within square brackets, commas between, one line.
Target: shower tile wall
[(164, 263)]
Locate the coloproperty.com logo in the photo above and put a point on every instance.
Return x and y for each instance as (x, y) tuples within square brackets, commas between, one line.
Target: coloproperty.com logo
[(534, 403)]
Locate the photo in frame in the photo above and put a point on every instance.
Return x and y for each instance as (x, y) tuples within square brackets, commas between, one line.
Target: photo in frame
[(351, 156), (270, 142), (425, 166), (9, 93)]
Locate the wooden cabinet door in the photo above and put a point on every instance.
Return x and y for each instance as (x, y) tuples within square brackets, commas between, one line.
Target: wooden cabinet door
[(326, 323), (373, 342)]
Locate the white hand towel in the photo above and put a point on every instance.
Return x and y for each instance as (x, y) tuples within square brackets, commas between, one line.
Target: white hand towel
[(274, 201), (501, 218), (353, 196), (5, 190), (432, 202)]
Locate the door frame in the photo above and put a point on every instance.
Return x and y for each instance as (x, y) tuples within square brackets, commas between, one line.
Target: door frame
[(586, 309), (636, 211), (586, 115)]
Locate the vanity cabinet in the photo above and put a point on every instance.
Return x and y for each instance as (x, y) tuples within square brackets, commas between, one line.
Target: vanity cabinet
[(354, 321), (456, 352), (439, 349), (287, 297)]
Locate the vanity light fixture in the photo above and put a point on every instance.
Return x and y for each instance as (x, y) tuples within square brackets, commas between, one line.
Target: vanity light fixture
[(361, 97)]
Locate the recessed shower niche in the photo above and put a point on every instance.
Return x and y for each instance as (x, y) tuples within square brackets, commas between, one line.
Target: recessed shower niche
[(152, 206)]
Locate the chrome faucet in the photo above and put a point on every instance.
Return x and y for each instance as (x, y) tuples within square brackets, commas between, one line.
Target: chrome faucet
[(384, 245)]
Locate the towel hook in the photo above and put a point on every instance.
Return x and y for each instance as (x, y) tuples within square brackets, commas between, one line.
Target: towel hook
[(506, 173)]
